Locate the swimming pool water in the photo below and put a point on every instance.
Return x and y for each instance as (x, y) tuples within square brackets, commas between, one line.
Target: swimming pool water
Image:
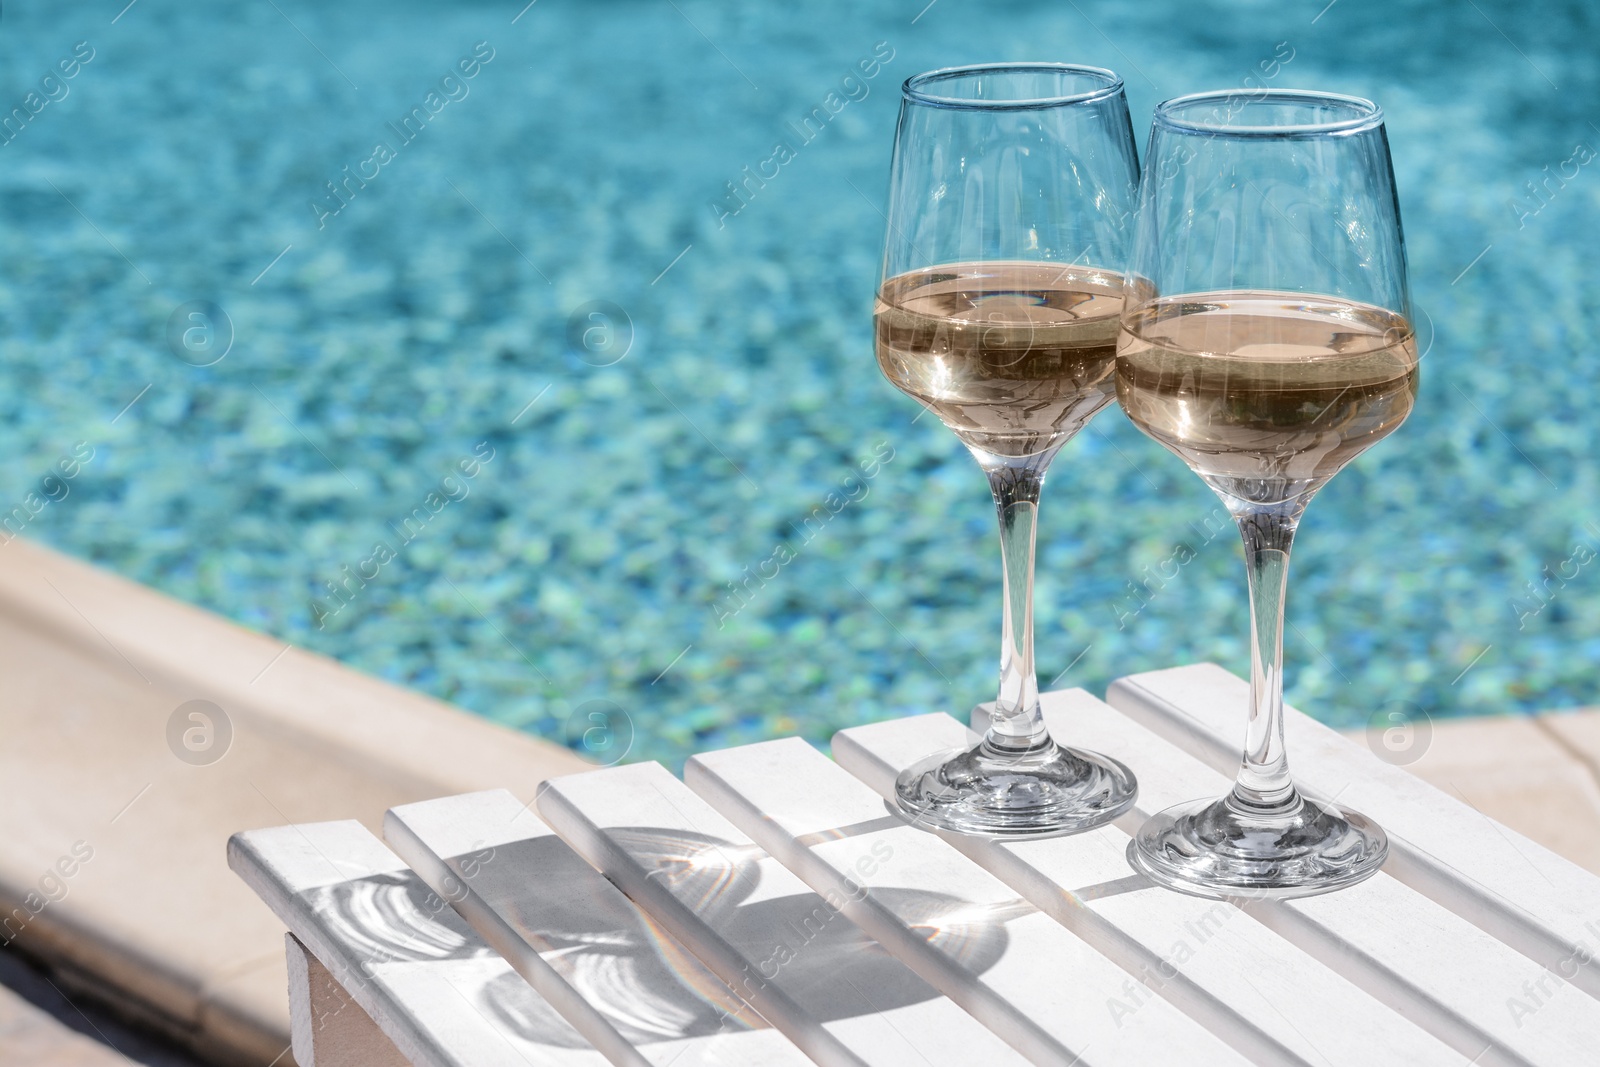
[(531, 388)]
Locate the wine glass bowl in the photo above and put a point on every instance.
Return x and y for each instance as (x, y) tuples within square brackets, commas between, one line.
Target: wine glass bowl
[(1011, 192), (1266, 342), (1266, 395), (1014, 357)]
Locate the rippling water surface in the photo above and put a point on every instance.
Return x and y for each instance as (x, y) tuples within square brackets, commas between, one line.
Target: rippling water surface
[(530, 392)]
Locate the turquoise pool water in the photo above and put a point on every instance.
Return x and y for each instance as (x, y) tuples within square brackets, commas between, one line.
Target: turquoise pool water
[(536, 382)]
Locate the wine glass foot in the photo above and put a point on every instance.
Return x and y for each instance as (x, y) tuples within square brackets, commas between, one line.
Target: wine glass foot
[(986, 792), (1218, 849)]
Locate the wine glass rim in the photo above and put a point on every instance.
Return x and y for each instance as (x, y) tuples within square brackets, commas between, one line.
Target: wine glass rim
[(913, 89), (1360, 113)]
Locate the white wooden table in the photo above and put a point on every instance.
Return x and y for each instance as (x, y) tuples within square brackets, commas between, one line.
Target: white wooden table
[(770, 910)]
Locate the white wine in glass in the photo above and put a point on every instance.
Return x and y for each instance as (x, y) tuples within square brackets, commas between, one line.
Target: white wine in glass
[(1009, 201), (1267, 343), (1014, 357), (1266, 396)]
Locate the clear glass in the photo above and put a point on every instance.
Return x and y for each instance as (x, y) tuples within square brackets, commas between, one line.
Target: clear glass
[(1266, 341), (1010, 207)]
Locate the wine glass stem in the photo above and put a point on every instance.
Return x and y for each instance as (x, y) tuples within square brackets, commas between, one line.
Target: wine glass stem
[(1263, 785), (1017, 725)]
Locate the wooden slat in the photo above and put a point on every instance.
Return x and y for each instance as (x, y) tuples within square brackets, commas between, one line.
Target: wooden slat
[(1026, 976), (786, 950), (327, 1027), (553, 916), (1258, 992), (1440, 971), (1515, 889), (443, 996)]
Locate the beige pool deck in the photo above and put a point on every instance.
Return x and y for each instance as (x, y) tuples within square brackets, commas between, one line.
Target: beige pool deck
[(113, 870), (153, 922)]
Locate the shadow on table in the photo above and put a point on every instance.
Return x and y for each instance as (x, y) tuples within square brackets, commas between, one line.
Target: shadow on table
[(645, 984), (825, 962)]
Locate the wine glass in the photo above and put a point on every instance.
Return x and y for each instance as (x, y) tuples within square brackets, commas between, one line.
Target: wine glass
[(1267, 342), (1011, 199)]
